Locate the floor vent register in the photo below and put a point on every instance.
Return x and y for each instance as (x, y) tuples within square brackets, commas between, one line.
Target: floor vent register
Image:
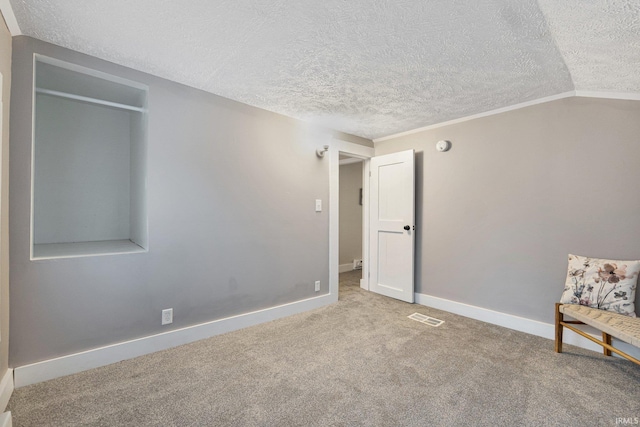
[(431, 321)]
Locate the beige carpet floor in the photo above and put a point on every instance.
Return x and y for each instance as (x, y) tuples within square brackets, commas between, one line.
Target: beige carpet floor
[(360, 361)]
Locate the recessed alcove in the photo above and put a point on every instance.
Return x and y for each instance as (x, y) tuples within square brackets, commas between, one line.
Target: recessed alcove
[(88, 164)]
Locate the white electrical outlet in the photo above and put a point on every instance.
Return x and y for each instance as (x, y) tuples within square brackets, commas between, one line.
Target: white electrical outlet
[(167, 316), (317, 285)]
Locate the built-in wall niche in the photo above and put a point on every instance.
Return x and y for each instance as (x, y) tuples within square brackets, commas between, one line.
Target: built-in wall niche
[(89, 163)]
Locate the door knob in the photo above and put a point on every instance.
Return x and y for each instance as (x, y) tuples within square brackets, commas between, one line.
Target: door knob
[(406, 227)]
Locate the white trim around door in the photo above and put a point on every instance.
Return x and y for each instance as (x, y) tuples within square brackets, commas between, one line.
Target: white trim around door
[(362, 152)]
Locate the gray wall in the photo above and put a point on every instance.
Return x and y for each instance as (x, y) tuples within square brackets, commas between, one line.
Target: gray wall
[(5, 69), (350, 213), (498, 214), (232, 224)]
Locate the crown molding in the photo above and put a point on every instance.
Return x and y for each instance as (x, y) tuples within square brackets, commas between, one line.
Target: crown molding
[(630, 96), (479, 115), (10, 18)]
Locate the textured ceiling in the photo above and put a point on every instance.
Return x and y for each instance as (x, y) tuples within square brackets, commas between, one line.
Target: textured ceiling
[(367, 67), (599, 40)]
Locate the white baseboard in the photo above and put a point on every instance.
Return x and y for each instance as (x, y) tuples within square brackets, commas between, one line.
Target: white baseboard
[(5, 419), (343, 268), (6, 389), (533, 327), (78, 362)]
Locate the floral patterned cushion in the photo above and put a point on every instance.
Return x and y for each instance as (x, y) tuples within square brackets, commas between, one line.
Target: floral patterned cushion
[(601, 283)]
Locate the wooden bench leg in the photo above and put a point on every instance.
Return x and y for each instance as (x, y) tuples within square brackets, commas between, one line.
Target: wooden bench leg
[(559, 318), (608, 349), (606, 338)]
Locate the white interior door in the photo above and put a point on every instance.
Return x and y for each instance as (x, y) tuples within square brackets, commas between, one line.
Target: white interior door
[(1, 117), (392, 230)]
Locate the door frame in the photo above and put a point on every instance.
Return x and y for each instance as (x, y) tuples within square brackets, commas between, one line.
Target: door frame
[(365, 153)]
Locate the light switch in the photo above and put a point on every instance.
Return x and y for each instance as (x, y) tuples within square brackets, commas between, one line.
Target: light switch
[(318, 205)]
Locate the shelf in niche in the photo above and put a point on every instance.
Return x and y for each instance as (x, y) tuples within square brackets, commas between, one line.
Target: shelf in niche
[(83, 249), (89, 163)]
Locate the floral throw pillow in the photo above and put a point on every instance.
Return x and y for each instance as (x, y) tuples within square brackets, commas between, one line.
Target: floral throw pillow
[(602, 283)]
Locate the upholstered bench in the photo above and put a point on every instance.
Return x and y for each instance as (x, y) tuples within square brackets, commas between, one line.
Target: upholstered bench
[(620, 326)]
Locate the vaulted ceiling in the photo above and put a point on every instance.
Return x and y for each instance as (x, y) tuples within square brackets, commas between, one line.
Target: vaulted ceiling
[(366, 67)]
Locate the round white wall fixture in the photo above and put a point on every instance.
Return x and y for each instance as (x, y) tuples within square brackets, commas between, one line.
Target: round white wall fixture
[(443, 145)]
